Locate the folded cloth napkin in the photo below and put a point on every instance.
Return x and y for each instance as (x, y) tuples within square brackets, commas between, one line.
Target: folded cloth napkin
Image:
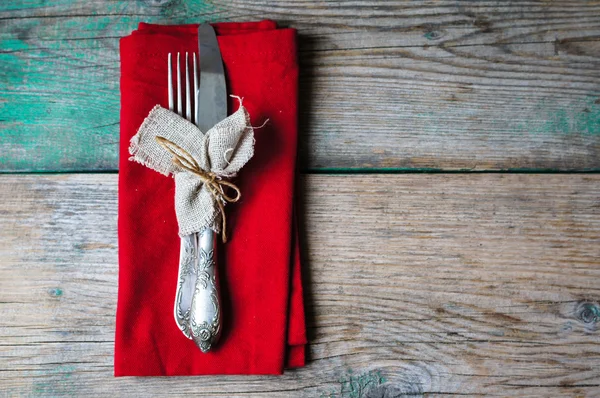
[(263, 312)]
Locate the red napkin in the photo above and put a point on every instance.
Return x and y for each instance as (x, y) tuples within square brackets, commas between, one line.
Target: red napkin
[(263, 312)]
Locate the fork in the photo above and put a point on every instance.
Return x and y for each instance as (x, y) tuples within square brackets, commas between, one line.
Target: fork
[(197, 301)]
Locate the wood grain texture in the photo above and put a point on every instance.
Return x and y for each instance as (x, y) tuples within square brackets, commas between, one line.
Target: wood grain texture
[(395, 85), (437, 284)]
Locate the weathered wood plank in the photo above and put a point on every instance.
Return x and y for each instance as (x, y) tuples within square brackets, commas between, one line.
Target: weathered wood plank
[(445, 284), (409, 85)]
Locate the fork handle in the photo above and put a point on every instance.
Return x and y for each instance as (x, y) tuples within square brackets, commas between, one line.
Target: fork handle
[(205, 314)]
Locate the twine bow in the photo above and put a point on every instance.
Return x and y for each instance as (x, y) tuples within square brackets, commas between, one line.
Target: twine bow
[(214, 183)]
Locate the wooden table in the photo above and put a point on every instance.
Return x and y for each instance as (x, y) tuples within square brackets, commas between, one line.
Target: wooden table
[(450, 196)]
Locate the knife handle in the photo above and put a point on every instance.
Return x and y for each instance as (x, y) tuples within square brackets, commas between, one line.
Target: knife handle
[(205, 315)]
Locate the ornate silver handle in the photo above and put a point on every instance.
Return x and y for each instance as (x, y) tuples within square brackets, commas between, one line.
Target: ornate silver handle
[(205, 317), (186, 282), (198, 302)]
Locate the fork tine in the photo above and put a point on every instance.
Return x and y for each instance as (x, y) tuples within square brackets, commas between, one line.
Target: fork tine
[(170, 85), (188, 88), (179, 97), (195, 90)]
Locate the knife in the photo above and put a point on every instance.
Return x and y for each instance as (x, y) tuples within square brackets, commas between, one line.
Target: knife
[(211, 108)]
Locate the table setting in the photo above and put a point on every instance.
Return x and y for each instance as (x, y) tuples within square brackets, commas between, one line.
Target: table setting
[(225, 297)]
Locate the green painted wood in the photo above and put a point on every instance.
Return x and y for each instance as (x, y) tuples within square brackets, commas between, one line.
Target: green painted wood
[(60, 90), (408, 85)]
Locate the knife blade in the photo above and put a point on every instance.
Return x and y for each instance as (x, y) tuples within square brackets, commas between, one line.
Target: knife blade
[(211, 97)]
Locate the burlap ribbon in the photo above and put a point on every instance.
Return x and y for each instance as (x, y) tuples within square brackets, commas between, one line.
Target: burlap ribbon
[(200, 163)]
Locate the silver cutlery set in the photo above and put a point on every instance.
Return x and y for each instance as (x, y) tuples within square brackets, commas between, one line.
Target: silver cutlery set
[(198, 302)]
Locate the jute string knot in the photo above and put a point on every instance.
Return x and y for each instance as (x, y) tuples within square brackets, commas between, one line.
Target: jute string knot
[(215, 184)]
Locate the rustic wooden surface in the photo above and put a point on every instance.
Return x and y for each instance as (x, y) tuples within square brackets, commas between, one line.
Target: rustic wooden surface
[(418, 284), (402, 85)]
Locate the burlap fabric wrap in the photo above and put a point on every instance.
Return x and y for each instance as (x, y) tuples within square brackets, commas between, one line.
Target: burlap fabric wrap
[(223, 150)]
